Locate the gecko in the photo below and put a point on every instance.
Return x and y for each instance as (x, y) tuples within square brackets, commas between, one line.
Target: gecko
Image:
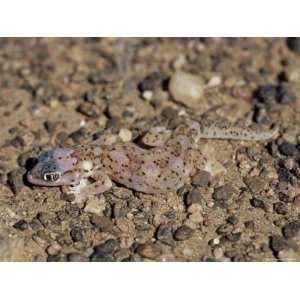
[(167, 162)]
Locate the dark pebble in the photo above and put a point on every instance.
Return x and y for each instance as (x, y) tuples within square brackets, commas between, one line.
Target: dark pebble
[(76, 257), (267, 94), (224, 229), (280, 208), (165, 235), (79, 136), (76, 234), (288, 149), (151, 82), (258, 203), (21, 225), (183, 233), (291, 230), (285, 95), (194, 196), (15, 180), (89, 110), (233, 237), (201, 179), (285, 198), (232, 220), (104, 252), (293, 44), (56, 258), (224, 192), (278, 243), (284, 175), (68, 197)]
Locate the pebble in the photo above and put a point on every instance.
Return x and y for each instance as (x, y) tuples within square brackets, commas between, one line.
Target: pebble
[(125, 135), (288, 149), (147, 95), (256, 184), (90, 110), (285, 95), (293, 44), (201, 179), (76, 234), (183, 233), (224, 192), (258, 203), (233, 237), (148, 250), (214, 81), (79, 136), (218, 253), (95, 205), (165, 234), (76, 257), (169, 113), (186, 88), (279, 243), (194, 196), (151, 82), (267, 94), (15, 180), (21, 225), (104, 252), (233, 220), (291, 229), (280, 208)]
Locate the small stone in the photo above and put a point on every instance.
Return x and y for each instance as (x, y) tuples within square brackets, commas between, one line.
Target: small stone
[(151, 82), (90, 110), (147, 95), (149, 250), (293, 44), (267, 94), (291, 230), (51, 126), (169, 113), (233, 220), (103, 223), (280, 208), (95, 205), (214, 81), (61, 137), (256, 184), (76, 234), (194, 196), (218, 253), (183, 233), (224, 192), (249, 225), (125, 135), (288, 149), (201, 179), (53, 249), (258, 203), (104, 252), (186, 88), (165, 234), (233, 237), (285, 95), (21, 225), (278, 243), (79, 136), (15, 180), (76, 257)]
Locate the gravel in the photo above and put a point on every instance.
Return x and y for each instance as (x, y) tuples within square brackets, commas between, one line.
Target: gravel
[(183, 233), (291, 229)]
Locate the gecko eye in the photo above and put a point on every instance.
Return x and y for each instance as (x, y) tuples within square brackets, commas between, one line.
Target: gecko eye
[(53, 176)]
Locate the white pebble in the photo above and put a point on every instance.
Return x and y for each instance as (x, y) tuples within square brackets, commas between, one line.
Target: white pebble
[(147, 95), (125, 135), (186, 89), (214, 81)]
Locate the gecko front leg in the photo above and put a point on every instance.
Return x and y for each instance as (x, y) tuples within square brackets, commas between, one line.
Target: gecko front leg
[(85, 189)]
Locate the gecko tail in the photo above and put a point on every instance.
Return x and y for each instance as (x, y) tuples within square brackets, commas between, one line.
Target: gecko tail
[(236, 133)]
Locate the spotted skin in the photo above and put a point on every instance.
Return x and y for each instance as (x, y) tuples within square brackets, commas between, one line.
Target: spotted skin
[(168, 163)]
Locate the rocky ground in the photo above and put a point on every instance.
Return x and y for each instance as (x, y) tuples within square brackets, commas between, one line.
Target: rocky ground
[(67, 91)]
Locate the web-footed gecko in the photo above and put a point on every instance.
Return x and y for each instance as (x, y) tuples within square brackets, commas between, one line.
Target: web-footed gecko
[(168, 163)]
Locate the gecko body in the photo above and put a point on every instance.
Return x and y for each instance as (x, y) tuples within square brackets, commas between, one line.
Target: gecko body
[(166, 164)]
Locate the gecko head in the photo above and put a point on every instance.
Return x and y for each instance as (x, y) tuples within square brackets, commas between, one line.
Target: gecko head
[(54, 168)]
